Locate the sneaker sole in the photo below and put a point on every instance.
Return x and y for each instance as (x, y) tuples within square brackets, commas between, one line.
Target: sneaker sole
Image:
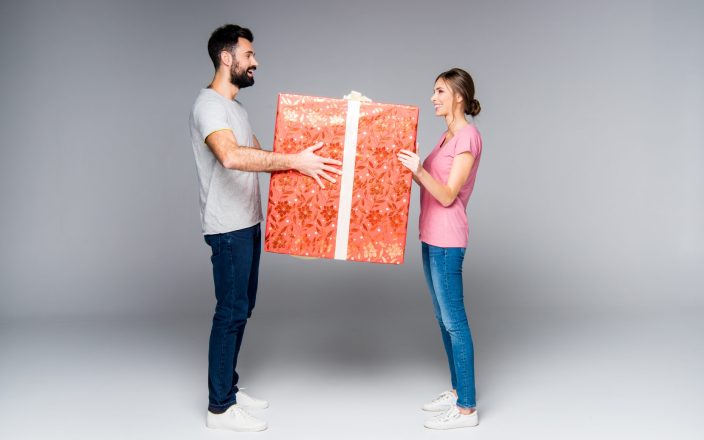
[(476, 423), (453, 427), (253, 407), (435, 409), (236, 430)]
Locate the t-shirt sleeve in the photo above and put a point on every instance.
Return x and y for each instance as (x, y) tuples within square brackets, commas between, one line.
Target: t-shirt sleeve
[(469, 142), (209, 117)]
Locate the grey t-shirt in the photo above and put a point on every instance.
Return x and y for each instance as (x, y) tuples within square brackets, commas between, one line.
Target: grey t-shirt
[(229, 199)]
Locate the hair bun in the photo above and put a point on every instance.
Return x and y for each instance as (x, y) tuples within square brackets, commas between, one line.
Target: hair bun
[(474, 108)]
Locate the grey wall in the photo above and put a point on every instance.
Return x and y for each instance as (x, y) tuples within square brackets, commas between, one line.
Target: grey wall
[(590, 191)]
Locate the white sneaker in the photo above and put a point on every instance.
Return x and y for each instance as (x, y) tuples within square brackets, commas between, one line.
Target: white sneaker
[(235, 419), (453, 418), (443, 402), (247, 401)]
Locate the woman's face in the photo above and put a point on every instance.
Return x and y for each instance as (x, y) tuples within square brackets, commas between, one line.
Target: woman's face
[(442, 98)]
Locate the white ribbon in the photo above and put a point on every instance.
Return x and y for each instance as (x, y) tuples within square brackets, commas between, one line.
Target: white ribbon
[(344, 209), (356, 96)]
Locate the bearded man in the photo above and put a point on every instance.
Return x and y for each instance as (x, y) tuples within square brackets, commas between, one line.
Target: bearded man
[(228, 157)]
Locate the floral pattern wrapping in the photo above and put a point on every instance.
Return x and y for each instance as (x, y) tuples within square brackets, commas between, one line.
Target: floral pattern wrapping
[(301, 217)]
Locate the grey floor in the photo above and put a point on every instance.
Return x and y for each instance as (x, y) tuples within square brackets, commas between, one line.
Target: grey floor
[(542, 373)]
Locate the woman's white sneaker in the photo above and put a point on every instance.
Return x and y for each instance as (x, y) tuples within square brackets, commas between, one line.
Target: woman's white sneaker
[(235, 419), (443, 402), (250, 402), (453, 418)]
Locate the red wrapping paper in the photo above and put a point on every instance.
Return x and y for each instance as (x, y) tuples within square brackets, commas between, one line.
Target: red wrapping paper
[(302, 217)]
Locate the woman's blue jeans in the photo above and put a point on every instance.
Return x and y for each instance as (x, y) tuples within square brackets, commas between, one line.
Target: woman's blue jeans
[(443, 272), (235, 261)]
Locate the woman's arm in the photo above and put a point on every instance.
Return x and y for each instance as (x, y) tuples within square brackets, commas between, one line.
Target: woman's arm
[(443, 193)]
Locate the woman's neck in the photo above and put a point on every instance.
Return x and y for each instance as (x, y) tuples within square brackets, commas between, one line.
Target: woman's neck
[(455, 123)]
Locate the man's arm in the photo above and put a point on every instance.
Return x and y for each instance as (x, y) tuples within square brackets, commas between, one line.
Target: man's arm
[(232, 156)]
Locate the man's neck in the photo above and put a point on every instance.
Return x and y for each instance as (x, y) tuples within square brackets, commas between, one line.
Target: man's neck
[(221, 84)]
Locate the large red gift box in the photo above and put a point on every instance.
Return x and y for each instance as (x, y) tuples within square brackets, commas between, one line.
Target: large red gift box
[(364, 215)]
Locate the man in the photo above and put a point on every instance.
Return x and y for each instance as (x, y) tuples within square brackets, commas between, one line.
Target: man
[(228, 157)]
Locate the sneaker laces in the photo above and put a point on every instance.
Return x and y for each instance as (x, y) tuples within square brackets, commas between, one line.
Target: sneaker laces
[(448, 415), (240, 412), (444, 396)]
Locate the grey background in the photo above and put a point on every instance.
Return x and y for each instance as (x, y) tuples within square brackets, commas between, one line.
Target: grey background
[(589, 200)]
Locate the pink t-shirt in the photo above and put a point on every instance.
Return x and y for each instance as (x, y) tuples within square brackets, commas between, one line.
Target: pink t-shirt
[(447, 227)]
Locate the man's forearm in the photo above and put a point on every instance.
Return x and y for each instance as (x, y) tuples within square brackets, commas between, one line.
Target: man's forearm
[(252, 159)]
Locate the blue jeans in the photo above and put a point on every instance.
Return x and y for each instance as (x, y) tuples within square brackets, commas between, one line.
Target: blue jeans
[(443, 273), (235, 258)]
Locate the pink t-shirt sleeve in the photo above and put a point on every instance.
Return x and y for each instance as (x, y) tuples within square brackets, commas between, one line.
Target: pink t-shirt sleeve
[(468, 142)]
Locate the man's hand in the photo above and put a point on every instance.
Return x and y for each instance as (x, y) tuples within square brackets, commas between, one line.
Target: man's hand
[(310, 164), (224, 146)]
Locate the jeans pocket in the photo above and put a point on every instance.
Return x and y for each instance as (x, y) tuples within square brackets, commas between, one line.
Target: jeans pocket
[(436, 251), (214, 241)]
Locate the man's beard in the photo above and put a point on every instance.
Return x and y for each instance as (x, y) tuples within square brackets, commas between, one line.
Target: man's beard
[(241, 79)]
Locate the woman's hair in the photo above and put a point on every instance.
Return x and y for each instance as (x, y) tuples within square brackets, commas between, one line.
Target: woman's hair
[(461, 83)]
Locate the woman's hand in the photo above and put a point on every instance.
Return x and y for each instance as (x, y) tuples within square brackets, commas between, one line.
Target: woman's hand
[(411, 161)]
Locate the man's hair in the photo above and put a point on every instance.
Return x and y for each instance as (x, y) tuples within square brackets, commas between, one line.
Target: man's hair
[(225, 38)]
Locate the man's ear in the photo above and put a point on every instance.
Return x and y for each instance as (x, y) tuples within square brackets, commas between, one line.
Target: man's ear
[(226, 58)]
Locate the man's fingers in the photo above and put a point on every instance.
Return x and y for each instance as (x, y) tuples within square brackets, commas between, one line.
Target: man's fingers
[(326, 176), (332, 169), (315, 147), (327, 160), (317, 179)]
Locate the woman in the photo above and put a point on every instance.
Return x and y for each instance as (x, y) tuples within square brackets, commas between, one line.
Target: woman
[(446, 179)]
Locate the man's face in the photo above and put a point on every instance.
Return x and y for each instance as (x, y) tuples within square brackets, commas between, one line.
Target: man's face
[(244, 64)]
